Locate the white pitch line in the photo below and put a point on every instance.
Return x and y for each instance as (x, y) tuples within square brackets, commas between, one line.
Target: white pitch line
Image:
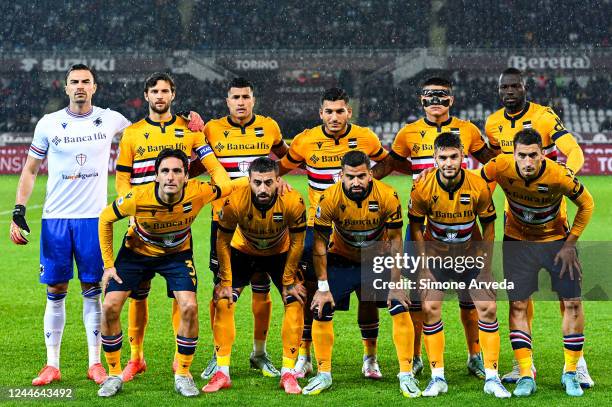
[(11, 210)]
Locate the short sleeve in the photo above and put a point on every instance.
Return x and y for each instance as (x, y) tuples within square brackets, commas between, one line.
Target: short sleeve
[(297, 215), (324, 215), (476, 141), (40, 142), (400, 147), (294, 156), (417, 206), (485, 207), (377, 151), (228, 219), (394, 212)]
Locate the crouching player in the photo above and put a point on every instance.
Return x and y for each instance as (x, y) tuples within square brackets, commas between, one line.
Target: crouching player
[(362, 211), (450, 198), (159, 241), (259, 231), (535, 188)]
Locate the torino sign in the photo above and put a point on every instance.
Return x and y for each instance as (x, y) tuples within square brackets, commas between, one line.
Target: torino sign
[(549, 62)]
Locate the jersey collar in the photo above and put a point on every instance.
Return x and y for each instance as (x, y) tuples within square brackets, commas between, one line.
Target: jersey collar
[(456, 187), (161, 124), (79, 115), (326, 134), (518, 115), (263, 209), (434, 124), (166, 205), (234, 124), (530, 181)]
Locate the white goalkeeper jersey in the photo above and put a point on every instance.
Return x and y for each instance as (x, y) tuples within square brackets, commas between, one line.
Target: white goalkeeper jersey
[(77, 148)]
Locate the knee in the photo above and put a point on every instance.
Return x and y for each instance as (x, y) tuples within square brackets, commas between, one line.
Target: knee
[(111, 310), (487, 311), (573, 307), (189, 310), (60, 288), (519, 307), (431, 307)]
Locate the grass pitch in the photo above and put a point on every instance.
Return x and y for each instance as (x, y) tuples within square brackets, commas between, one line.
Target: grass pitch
[(22, 302)]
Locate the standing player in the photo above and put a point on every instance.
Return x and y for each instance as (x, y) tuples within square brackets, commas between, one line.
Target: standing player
[(413, 150), (450, 199), (139, 147), (159, 241), (518, 114), (321, 148), (76, 140), (237, 140), (260, 231), (362, 212), (535, 188)]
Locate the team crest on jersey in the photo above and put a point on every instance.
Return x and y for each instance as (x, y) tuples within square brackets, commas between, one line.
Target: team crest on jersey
[(259, 132), (455, 130), (314, 158), (81, 159), (528, 216), (373, 206), (226, 133), (319, 144), (318, 212), (277, 217), (451, 235), (120, 201), (140, 150), (464, 199), (352, 143), (543, 188), (243, 166), (178, 133), (527, 124), (336, 177), (187, 206), (97, 122)]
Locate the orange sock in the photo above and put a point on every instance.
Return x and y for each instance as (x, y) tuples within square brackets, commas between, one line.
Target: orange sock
[(403, 339), (138, 318), (211, 310), (489, 340), (224, 330), (572, 350), (323, 341), (184, 356), (111, 345), (293, 323), (262, 310), (176, 321), (434, 345), (469, 319)]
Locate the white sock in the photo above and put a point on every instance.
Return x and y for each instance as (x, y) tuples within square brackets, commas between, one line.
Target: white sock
[(224, 370), (92, 311), (405, 373), (437, 372), (286, 370), (305, 358), (259, 347), (490, 373), (581, 362), (54, 322)]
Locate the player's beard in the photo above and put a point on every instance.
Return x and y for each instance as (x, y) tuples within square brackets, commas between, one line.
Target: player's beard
[(356, 195), (457, 171), (162, 110), (267, 199)]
